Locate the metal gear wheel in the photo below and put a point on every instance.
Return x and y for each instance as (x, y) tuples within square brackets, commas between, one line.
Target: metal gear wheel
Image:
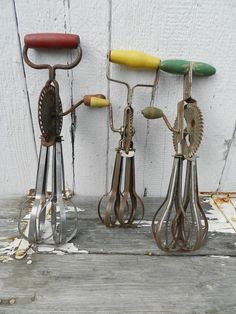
[(129, 129), (50, 122), (193, 130)]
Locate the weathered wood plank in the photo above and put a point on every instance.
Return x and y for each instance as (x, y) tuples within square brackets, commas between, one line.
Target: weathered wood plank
[(226, 206), (94, 237), (119, 284), (119, 275)]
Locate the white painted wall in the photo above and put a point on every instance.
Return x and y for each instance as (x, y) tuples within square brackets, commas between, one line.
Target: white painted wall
[(187, 29)]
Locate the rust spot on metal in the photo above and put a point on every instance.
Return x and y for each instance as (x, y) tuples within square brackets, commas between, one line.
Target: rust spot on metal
[(229, 194), (67, 194), (220, 200)]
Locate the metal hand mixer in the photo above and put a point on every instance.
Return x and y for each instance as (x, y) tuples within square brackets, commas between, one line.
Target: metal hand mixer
[(125, 207), (180, 223), (50, 216)]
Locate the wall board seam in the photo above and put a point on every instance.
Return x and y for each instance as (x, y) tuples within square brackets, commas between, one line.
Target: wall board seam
[(24, 74), (73, 116), (145, 190), (108, 95), (226, 158)]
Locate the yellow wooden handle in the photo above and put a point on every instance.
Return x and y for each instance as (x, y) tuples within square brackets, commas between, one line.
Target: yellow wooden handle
[(134, 59)]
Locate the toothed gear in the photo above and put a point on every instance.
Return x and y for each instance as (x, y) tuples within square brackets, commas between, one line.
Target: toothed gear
[(193, 131), (50, 122), (129, 130)]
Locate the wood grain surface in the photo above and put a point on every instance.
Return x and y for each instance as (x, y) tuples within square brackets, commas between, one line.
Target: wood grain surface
[(124, 272)]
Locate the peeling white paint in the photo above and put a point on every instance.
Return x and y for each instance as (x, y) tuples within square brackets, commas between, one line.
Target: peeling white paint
[(45, 248), (72, 209), (217, 224), (68, 248), (220, 256), (11, 248), (58, 252), (80, 209), (5, 259), (83, 252), (144, 223), (217, 220)]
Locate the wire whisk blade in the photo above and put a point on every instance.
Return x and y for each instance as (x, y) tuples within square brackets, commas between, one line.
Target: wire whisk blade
[(119, 207), (180, 223), (49, 216)]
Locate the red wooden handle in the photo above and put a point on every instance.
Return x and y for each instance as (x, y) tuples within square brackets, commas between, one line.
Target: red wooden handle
[(51, 40)]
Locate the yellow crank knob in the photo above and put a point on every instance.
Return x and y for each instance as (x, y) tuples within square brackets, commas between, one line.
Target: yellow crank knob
[(135, 59), (96, 102)]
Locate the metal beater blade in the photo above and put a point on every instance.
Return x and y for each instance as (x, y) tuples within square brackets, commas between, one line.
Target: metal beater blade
[(34, 231), (180, 223), (64, 221)]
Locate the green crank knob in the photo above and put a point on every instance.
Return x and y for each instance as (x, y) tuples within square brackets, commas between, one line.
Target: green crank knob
[(177, 66), (152, 113), (96, 101)]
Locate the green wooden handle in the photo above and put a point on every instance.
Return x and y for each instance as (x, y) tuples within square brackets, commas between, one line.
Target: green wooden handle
[(177, 66)]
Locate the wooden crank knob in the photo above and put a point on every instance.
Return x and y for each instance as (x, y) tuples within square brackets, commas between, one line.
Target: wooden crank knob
[(96, 101), (152, 113)]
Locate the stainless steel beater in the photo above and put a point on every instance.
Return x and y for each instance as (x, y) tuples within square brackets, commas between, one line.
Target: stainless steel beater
[(50, 215), (180, 223), (125, 207)]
